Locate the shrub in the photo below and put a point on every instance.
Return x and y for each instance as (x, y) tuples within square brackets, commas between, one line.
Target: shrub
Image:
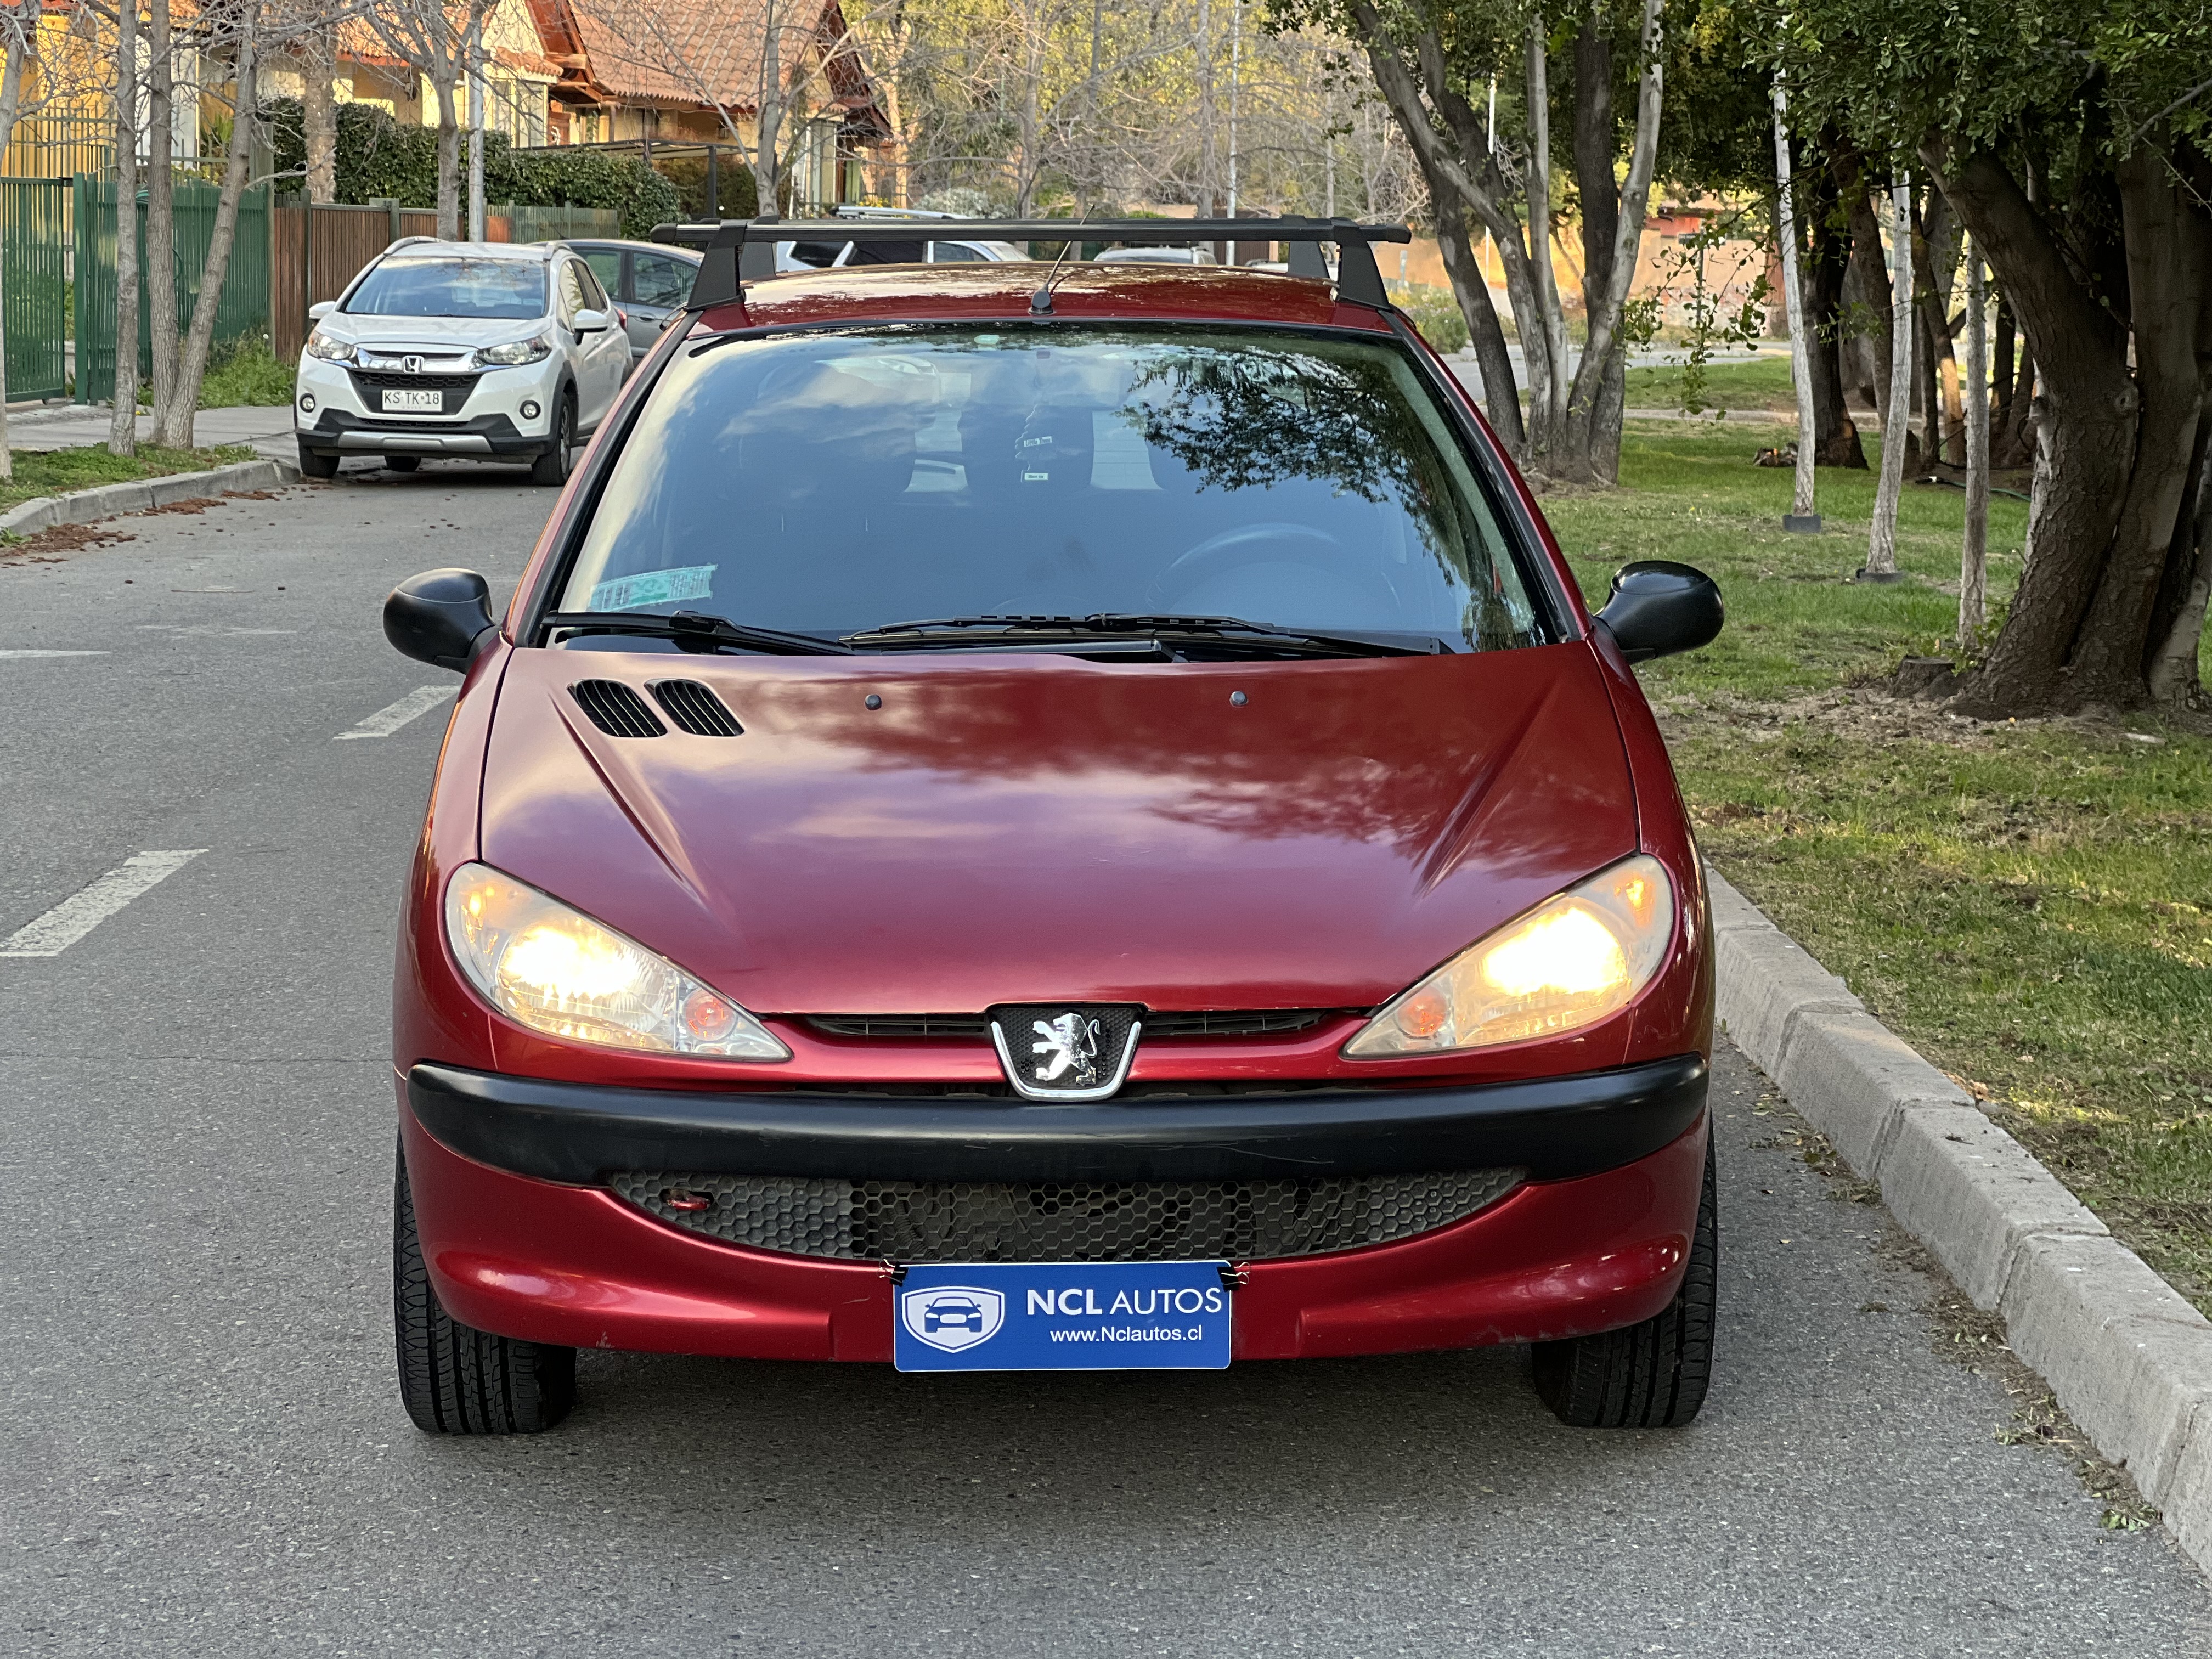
[(1436, 313), (380, 157)]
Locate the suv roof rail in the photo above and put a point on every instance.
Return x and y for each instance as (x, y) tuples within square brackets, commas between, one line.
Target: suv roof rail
[(408, 242), (739, 251)]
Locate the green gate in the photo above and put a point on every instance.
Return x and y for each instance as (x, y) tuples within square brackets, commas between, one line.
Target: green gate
[(34, 286), (242, 310)]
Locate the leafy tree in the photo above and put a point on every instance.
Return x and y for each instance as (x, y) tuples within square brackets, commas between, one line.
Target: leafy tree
[(1433, 61), (2074, 142)]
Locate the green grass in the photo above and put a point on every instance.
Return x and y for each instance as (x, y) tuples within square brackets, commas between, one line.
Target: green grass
[(2029, 903), (1764, 383), (247, 373), (56, 472)]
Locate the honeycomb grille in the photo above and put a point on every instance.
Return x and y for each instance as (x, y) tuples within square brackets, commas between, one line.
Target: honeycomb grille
[(1061, 1221)]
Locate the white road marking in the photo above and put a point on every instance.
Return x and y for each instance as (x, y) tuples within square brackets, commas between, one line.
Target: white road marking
[(384, 721), (84, 910), (52, 654)]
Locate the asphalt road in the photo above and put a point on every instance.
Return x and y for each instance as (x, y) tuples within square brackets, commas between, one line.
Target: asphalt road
[(201, 1450)]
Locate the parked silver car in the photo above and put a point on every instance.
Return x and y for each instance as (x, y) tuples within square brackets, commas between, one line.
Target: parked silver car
[(651, 282)]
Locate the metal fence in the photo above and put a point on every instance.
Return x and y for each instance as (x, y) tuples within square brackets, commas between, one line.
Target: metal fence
[(553, 224), (244, 307), (34, 280), (54, 146)]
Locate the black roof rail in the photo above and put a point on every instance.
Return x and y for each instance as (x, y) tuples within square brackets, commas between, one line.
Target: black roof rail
[(740, 251)]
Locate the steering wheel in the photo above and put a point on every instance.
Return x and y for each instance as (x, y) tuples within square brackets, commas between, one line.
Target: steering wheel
[(1251, 544)]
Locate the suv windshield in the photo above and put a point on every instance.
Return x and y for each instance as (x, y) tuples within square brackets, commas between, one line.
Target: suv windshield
[(831, 483), (451, 288)]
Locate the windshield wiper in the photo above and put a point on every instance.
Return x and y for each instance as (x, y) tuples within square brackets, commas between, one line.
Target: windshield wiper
[(1225, 630), (695, 630)]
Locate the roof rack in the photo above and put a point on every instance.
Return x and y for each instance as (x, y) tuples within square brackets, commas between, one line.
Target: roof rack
[(739, 251)]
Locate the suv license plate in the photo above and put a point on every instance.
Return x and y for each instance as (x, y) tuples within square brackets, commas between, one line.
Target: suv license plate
[(1063, 1316), (415, 403)]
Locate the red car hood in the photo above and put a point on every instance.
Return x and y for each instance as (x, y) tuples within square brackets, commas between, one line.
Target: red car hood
[(1035, 828)]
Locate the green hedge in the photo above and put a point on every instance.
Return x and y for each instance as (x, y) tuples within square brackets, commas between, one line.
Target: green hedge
[(380, 157)]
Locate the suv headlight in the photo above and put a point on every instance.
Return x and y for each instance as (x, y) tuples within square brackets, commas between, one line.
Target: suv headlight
[(1572, 960), (557, 970), (534, 350), (320, 344)]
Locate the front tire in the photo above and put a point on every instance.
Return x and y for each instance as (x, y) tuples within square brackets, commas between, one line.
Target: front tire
[(402, 463), (313, 466), (552, 467), (457, 1380), (1652, 1376)]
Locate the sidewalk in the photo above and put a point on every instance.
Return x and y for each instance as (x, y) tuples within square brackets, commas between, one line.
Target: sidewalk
[(267, 429)]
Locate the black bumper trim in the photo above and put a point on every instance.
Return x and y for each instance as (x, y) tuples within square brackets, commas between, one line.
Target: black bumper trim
[(497, 431), (1554, 1128)]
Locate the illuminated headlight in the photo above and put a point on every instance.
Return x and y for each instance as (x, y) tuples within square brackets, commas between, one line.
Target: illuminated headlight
[(320, 344), (557, 970), (1569, 962), (534, 350)]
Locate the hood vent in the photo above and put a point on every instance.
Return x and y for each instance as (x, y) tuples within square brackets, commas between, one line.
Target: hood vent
[(697, 708), (617, 710)]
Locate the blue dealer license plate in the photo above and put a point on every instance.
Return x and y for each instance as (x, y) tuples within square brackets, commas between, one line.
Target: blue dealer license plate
[(1063, 1316)]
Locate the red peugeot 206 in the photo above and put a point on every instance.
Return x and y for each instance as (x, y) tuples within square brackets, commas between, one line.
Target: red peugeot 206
[(1039, 819)]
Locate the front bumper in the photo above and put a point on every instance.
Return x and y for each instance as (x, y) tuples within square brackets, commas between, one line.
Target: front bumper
[(519, 1242), (1555, 1128), (488, 421)]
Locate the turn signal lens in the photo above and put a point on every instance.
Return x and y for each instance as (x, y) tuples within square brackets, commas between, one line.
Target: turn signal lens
[(557, 970), (1568, 963)]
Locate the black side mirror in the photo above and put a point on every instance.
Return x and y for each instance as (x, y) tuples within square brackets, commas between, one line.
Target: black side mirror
[(1657, 608), (442, 617)]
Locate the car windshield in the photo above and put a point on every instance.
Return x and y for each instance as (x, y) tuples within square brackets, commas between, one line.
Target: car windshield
[(829, 483), (451, 288)]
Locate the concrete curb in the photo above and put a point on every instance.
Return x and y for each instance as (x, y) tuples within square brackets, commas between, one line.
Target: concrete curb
[(2127, 1356), (84, 506)]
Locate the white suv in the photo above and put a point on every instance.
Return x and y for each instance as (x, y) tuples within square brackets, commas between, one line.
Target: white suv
[(490, 349)]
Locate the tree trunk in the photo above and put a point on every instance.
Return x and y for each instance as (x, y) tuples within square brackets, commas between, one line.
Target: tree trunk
[(1935, 260), (1595, 141), (123, 418), (11, 91), (1603, 357), (1472, 173), (2177, 625), (2096, 542), (1500, 396), (2014, 445), (319, 115), (768, 131), (176, 422), (1973, 554), (2001, 410), (449, 156), (1547, 410), (1871, 272), (161, 210), (1828, 250), (2169, 253), (1896, 426)]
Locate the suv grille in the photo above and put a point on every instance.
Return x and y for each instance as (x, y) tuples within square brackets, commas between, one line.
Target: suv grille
[(1061, 1221), (1235, 1021)]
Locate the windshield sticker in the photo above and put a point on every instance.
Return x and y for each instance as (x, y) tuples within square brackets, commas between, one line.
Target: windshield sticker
[(690, 581)]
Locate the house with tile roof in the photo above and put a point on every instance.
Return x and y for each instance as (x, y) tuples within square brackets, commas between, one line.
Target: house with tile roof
[(689, 71)]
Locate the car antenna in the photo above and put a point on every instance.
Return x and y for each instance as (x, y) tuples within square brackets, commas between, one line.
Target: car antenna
[(1041, 301)]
